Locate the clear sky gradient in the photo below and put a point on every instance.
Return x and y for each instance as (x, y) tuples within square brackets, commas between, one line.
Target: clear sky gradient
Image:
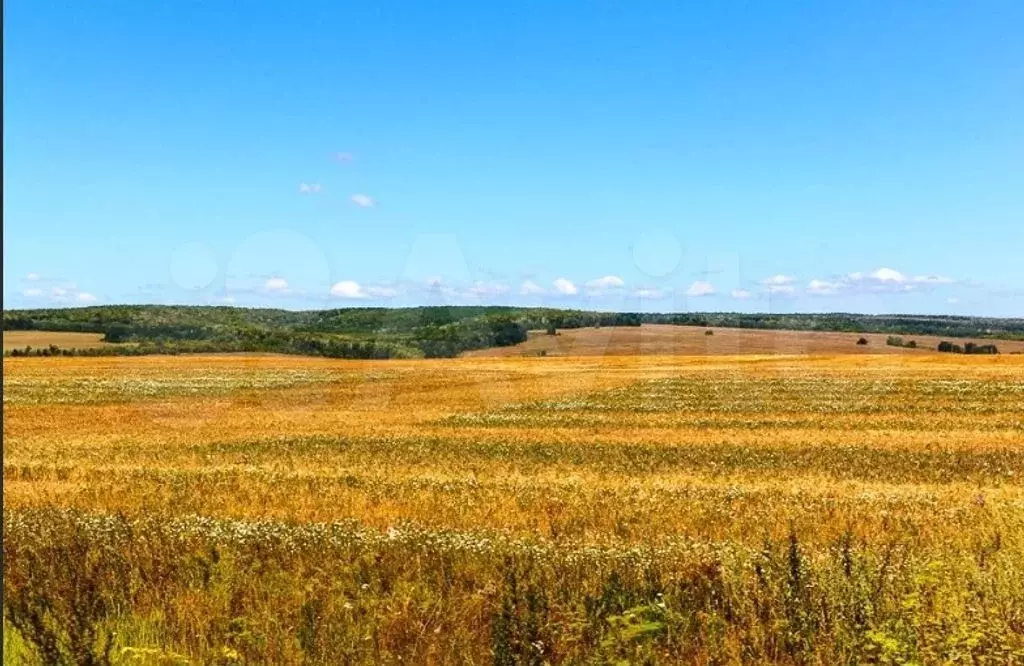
[(785, 156)]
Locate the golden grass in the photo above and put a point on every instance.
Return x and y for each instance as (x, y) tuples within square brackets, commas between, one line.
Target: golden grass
[(916, 459), (39, 339), (277, 427)]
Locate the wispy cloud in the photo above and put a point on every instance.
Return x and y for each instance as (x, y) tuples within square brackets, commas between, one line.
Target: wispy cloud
[(50, 291), (310, 188), (823, 288), (778, 280), (363, 200), (276, 285), (565, 287), (878, 281), (779, 284), (649, 292), (343, 158), (530, 288), (700, 288), (741, 294), (487, 290), (606, 282), (932, 279)]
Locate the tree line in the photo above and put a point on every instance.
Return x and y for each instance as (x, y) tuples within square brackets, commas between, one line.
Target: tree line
[(434, 331), (967, 348)]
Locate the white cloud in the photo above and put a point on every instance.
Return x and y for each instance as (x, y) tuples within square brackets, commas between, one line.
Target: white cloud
[(778, 281), (565, 287), (878, 281), (310, 188), (953, 300), (823, 287), (61, 293), (486, 289), (740, 294), (881, 280), (649, 292), (779, 284), (888, 275), (276, 284), (344, 158), (530, 288), (32, 277), (353, 290), (379, 291), (700, 288), (606, 282), (348, 289), (363, 200)]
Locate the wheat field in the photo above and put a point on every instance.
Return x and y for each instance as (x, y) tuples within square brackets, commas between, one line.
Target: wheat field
[(668, 339), (599, 509), (64, 340)]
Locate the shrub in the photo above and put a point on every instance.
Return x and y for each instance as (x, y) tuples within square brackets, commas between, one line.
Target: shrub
[(862, 341), (117, 332)]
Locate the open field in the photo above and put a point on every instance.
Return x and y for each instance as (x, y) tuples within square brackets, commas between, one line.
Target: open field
[(64, 340), (655, 339), (593, 509)]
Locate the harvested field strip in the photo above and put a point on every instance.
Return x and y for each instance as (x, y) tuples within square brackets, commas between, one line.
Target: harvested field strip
[(590, 507)]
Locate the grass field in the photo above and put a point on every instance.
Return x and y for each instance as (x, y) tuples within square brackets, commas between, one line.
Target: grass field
[(38, 339), (637, 508), (660, 339)]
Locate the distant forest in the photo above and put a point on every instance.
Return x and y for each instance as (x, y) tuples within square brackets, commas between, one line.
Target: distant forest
[(432, 332)]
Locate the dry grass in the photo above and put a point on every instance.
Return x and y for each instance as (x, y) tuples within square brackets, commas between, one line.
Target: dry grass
[(661, 339), (717, 509), (39, 339)]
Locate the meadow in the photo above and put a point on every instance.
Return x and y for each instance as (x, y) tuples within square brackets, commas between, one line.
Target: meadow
[(669, 339), (630, 508), (62, 339)]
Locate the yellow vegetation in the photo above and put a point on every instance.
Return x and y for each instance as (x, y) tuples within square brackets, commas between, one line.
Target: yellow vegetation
[(40, 339), (715, 509)]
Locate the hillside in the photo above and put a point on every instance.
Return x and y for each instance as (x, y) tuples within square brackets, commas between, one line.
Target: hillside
[(663, 339)]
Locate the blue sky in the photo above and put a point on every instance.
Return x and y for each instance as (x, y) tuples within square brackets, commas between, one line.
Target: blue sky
[(788, 156)]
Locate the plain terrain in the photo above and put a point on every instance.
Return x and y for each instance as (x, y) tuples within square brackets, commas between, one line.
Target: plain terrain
[(641, 509), (40, 339), (655, 339)]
